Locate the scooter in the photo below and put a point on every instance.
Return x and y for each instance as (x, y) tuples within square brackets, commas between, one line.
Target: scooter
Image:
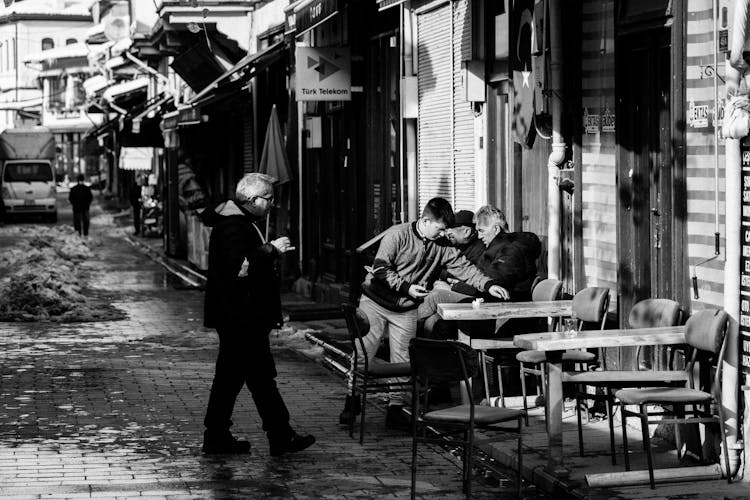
[(152, 218)]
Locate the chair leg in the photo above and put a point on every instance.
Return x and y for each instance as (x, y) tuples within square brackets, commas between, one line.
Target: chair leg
[(680, 413), (625, 452), (647, 445), (500, 385), (522, 371), (485, 376), (414, 459), (520, 459), (364, 409), (469, 453), (579, 403), (464, 462), (722, 429), (610, 417)]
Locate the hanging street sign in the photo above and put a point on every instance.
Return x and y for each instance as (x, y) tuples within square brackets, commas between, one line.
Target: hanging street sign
[(744, 325), (323, 74)]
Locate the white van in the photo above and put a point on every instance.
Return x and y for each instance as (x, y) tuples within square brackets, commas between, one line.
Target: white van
[(29, 187)]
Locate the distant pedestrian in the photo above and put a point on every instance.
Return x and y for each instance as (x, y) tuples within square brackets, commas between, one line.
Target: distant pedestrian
[(80, 198), (243, 304), (135, 202)]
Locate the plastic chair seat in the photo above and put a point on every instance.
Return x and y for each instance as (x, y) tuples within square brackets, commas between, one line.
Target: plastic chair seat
[(668, 395), (537, 357), (483, 415), (386, 370)]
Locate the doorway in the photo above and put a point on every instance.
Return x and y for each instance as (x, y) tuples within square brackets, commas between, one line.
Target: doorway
[(644, 167)]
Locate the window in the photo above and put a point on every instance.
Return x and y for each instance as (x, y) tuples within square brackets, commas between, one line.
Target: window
[(70, 41), (15, 53), (48, 43)]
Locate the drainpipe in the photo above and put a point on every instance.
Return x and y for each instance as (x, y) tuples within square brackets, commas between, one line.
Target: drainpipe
[(557, 156), (410, 124), (735, 70)]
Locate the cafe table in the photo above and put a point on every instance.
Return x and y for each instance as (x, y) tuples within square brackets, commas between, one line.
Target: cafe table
[(555, 343), (499, 310)]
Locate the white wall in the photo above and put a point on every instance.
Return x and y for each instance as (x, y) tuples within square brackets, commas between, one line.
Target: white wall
[(30, 35), (264, 18)]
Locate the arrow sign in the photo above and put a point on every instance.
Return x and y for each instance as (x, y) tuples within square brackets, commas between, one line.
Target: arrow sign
[(323, 74)]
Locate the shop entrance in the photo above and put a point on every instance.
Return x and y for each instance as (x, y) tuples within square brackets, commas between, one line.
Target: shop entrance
[(644, 166)]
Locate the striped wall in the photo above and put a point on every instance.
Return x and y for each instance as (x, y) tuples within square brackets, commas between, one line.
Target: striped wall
[(700, 144), (599, 194)]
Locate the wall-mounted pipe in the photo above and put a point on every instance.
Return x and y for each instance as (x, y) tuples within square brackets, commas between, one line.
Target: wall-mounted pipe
[(735, 70), (557, 156)]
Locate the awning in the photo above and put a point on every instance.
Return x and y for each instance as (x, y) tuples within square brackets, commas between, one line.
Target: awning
[(136, 158), (245, 69), (154, 106), (121, 89), (312, 13), (94, 84), (65, 52), (103, 128), (19, 105)]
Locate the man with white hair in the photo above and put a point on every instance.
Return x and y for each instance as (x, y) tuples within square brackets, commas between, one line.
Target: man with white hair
[(243, 304)]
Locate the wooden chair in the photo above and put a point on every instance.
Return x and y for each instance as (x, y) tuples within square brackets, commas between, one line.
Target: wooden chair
[(371, 376), (589, 307), (706, 339), (647, 313), (545, 290), (441, 361)]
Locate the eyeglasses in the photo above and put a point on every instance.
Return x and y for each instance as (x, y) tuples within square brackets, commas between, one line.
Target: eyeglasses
[(267, 198)]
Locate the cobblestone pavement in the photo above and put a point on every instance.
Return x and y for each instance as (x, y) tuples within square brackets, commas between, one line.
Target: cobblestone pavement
[(115, 409)]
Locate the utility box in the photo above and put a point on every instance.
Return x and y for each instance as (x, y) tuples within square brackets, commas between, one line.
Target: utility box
[(473, 80), (313, 132), (409, 97)]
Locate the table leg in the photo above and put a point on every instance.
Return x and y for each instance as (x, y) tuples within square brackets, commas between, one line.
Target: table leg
[(554, 409)]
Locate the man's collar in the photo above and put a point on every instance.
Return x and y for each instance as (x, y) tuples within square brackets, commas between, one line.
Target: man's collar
[(415, 227)]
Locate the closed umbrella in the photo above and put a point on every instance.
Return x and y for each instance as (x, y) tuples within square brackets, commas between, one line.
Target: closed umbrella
[(273, 159)]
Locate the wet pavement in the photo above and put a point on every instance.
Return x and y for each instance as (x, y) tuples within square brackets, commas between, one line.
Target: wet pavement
[(114, 409)]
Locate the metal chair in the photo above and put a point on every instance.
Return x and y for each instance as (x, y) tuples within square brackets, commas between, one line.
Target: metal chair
[(647, 313), (706, 340), (372, 375), (441, 361), (590, 306), (544, 291)]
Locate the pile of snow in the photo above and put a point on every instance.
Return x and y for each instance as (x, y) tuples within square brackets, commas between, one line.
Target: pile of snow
[(42, 279)]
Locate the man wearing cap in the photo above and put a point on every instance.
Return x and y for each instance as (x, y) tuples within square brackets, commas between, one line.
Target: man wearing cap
[(463, 236)]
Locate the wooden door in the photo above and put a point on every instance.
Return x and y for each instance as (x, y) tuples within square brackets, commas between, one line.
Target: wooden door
[(645, 170)]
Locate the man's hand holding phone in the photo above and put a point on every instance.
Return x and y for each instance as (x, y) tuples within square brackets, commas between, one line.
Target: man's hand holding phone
[(418, 291)]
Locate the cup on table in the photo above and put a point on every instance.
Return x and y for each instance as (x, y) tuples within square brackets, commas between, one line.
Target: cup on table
[(570, 327)]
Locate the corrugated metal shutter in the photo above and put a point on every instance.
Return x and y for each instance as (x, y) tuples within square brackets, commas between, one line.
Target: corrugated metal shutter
[(248, 149), (463, 115), (435, 162)]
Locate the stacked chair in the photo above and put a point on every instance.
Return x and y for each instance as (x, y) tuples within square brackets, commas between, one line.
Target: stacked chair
[(446, 361), (368, 376)]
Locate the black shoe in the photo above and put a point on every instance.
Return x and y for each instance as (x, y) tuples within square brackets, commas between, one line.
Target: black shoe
[(396, 419), (224, 444), (292, 445), (352, 408)]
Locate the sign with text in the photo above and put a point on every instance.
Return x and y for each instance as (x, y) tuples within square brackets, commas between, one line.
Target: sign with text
[(745, 260), (323, 74)]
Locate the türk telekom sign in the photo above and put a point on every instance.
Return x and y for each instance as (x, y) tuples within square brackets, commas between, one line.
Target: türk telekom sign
[(323, 74)]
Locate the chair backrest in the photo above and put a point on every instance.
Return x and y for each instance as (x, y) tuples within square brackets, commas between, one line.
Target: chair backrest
[(705, 330), (442, 360), (590, 305), (649, 313), (546, 290), (358, 326)]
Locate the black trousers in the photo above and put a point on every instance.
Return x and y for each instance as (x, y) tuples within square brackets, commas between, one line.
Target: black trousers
[(245, 359), (81, 221)]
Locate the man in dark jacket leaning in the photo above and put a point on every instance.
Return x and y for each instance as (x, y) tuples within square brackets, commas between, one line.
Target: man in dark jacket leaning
[(243, 305)]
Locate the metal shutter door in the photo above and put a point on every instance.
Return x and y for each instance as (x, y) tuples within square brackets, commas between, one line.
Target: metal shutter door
[(463, 116), (434, 136), (248, 150)]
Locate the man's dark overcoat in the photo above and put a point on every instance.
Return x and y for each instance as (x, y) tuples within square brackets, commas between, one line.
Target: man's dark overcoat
[(234, 300)]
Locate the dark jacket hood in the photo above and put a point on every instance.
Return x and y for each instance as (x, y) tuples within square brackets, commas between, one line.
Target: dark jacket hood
[(214, 214)]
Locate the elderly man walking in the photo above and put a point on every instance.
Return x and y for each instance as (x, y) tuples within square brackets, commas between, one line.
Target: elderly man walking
[(243, 304)]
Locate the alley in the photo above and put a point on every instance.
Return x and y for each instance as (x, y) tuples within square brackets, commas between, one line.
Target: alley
[(114, 409)]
